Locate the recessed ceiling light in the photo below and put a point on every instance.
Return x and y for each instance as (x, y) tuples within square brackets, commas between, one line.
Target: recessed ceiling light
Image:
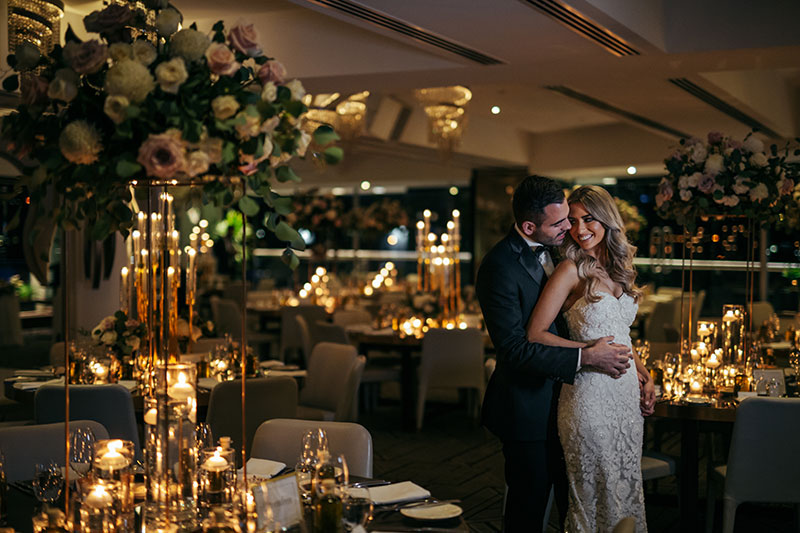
[(365, 185), (453, 190), (495, 110), (611, 180), (631, 170)]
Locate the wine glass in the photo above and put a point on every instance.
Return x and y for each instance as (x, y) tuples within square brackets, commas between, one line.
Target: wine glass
[(314, 442), (81, 450), (204, 437), (794, 362), (47, 482), (356, 507)]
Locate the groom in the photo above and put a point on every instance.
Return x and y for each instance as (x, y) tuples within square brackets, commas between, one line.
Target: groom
[(521, 398)]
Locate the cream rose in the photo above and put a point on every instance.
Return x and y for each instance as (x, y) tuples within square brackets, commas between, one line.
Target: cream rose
[(759, 192), (753, 144), (739, 186), (80, 143), (699, 153), (120, 52), (714, 164), (248, 122), (197, 163), (759, 159), (302, 143), (298, 92), (116, 108), (224, 106), (685, 195), (171, 74), (108, 338), (269, 92), (130, 79), (221, 60), (144, 52)]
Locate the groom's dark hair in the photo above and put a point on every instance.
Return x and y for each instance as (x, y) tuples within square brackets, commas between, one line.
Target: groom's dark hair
[(532, 196)]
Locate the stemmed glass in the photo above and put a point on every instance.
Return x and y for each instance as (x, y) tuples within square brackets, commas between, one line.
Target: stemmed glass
[(314, 442), (81, 450), (356, 507), (794, 362), (47, 482)]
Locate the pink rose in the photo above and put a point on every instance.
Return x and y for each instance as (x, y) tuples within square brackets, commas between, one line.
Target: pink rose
[(112, 18), (221, 60), (706, 184), (244, 37), (714, 137), (665, 189), (162, 156), (33, 89), (272, 71), (86, 58), (785, 186)]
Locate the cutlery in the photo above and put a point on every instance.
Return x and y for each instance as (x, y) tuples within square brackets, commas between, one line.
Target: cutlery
[(371, 483), (427, 502)]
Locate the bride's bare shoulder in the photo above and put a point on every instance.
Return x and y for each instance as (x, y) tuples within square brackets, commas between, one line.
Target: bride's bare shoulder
[(568, 270)]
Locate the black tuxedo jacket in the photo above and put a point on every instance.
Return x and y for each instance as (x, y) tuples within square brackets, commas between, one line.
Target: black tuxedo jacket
[(519, 400)]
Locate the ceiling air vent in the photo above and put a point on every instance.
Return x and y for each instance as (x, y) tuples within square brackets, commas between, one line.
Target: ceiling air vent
[(578, 23), (701, 94), (608, 108), (386, 22)]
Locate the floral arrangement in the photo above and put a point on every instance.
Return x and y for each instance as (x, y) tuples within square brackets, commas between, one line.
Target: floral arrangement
[(121, 334), (168, 105), (378, 217), (790, 219), (724, 176), (321, 213), (631, 218)]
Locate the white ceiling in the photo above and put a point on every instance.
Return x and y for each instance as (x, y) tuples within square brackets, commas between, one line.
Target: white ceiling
[(744, 53)]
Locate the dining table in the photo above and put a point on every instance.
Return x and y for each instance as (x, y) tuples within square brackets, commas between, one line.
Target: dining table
[(690, 416)]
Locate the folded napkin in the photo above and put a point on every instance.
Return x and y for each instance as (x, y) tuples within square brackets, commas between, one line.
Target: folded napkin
[(33, 385), (262, 467), (269, 363), (207, 383), (129, 384), (405, 491), (289, 373), (34, 373)]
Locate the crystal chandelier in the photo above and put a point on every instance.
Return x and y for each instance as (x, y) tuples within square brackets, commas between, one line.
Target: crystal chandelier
[(348, 118), (446, 110), (35, 21)]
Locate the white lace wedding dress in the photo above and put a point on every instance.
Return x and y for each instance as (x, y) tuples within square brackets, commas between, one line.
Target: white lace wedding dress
[(601, 427)]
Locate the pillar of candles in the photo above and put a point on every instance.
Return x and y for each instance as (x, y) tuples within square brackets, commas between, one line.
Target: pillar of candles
[(430, 250), (124, 289), (456, 233), (420, 252)]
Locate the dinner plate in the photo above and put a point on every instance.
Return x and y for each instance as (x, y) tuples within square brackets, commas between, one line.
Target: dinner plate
[(697, 401), (432, 512)]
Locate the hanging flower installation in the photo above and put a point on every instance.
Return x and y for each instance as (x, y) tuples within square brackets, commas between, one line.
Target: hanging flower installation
[(168, 106)]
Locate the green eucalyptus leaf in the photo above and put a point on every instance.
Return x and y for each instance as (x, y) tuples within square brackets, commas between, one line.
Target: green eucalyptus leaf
[(286, 233), (126, 169), (290, 259), (324, 135), (248, 206), (333, 155), (285, 173), (283, 205)]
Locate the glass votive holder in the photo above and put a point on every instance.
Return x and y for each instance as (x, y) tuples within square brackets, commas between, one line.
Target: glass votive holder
[(99, 510), (217, 476), (112, 466), (51, 519)]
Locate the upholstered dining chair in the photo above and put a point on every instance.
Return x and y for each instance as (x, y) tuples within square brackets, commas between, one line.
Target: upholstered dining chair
[(304, 338), (762, 462), (349, 317), (328, 332), (331, 389), (25, 446), (228, 318), (451, 358), (290, 340), (110, 405), (267, 398), (280, 440)]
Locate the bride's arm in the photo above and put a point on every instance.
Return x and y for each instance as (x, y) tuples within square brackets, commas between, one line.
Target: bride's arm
[(554, 294)]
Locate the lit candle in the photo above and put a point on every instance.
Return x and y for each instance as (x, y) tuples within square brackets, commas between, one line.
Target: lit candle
[(215, 466), (456, 223), (696, 387), (729, 316), (712, 362), (150, 417), (99, 498), (112, 459), (181, 390), (124, 294)]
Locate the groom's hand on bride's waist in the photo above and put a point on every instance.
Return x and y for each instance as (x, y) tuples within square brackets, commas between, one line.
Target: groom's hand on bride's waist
[(606, 356)]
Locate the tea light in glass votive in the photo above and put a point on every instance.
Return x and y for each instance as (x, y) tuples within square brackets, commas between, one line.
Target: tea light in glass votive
[(729, 316), (215, 466), (112, 459), (181, 390), (97, 513), (702, 349), (695, 355), (696, 387), (713, 361), (705, 329)]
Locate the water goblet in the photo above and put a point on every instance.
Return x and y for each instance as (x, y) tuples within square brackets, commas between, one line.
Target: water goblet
[(47, 483), (314, 442), (81, 450)]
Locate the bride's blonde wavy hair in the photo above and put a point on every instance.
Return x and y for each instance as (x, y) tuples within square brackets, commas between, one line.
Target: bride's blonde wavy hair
[(617, 251)]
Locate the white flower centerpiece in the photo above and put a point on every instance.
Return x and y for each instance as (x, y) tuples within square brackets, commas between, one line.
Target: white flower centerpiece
[(725, 177), (167, 106)]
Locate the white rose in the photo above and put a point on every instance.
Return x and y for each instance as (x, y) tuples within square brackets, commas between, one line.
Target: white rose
[(694, 179), (759, 192), (120, 52), (298, 92), (739, 187), (267, 146), (171, 74), (753, 144), (144, 52), (730, 201), (758, 159), (167, 22), (116, 108), (683, 182), (270, 124), (714, 164), (699, 153), (197, 163), (108, 338), (269, 92), (225, 106), (685, 195), (302, 143)]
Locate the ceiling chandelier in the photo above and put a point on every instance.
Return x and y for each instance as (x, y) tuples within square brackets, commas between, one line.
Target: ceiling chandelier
[(447, 116), (35, 21), (348, 117)]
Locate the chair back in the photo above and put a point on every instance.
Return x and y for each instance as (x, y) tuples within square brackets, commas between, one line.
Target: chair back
[(452, 358), (761, 312), (659, 325), (267, 398), (208, 345), (57, 354), (290, 337), (227, 316), (334, 374), (25, 446), (304, 333), (111, 405), (327, 332), (348, 317), (762, 463), (281, 440)]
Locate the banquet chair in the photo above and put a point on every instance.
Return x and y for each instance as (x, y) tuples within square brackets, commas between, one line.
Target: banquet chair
[(451, 359), (306, 342), (761, 313), (228, 319), (349, 317), (659, 326), (267, 398), (327, 332), (331, 389), (25, 446), (206, 345), (280, 440), (762, 462), (57, 354), (110, 405), (290, 343)]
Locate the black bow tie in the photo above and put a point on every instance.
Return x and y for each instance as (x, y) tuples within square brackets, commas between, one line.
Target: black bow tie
[(539, 250)]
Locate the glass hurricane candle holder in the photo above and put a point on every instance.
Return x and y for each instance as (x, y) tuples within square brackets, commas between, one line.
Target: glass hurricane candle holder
[(99, 510), (733, 334), (707, 332), (113, 467), (170, 451), (217, 479)]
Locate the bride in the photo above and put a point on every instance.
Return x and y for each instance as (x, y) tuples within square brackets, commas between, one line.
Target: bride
[(599, 417)]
